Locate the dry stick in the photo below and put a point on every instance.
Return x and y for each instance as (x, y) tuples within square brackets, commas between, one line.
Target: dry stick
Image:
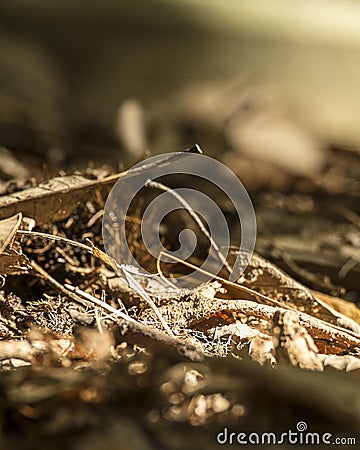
[(52, 237), (162, 276), (228, 282), (122, 271), (56, 284), (98, 302), (118, 268), (134, 327), (144, 295), (194, 216)]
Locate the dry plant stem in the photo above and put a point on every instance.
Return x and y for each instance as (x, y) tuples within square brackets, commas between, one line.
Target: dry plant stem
[(162, 276), (228, 282), (123, 272), (98, 302), (141, 334), (120, 270), (143, 294), (194, 216), (57, 285)]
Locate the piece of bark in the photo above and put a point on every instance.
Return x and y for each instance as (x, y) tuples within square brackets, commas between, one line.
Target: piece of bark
[(330, 338), (155, 340)]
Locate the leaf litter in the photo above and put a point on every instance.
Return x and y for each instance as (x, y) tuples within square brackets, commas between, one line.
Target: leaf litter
[(77, 318)]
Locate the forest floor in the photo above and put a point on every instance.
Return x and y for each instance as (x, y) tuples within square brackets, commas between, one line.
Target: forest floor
[(95, 357)]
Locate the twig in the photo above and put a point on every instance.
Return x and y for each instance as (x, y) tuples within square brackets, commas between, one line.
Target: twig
[(143, 335), (123, 271), (162, 276), (56, 284), (94, 218), (194, 216), (228, 282), (98, 302), (134, 284)]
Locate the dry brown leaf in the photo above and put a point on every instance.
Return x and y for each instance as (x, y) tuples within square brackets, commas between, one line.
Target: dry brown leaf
[(52, 200), (8, 228), (264, 277), (57, 198), (344, 307), (12, 261)]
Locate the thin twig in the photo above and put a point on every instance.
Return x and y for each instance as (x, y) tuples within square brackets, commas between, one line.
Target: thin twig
[(134, 284), (56, 284), (140, 333), (227, 282), (193, 214), (124, 271), (71, 289), (162, 276)]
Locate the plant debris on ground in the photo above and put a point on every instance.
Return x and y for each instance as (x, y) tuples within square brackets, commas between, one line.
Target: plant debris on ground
[(92, 358)]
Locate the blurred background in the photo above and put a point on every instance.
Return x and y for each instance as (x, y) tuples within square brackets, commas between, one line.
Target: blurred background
[(275, 81), (269, 87)]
